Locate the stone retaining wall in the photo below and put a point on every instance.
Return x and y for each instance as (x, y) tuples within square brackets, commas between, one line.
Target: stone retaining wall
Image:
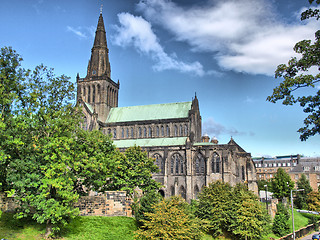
[(111, 203)]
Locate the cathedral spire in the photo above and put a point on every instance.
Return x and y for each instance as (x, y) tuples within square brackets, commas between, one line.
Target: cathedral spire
[(99, 64)]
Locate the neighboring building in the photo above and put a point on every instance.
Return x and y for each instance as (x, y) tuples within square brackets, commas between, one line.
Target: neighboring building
[(294, 165), (170, 133), (309, 167), (267, 167)]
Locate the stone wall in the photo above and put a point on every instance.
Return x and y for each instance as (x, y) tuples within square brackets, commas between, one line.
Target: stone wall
[(112, 203), (109, 204)]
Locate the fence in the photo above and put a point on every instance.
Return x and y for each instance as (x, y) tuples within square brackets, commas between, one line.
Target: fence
[(302, 231)]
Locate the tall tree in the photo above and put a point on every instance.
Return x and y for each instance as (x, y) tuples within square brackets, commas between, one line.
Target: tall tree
[(215, 202), (280, 222), (134, 170), (297, 75), (301, 197), (313, 201), (281, 184)]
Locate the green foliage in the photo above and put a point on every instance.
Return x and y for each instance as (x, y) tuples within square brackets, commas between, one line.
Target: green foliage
[(215, 207), (232, 210), (134, 170), (51, 159), (281, 225), (301, 197), (262, 183), (171, 219), (296, 76), (145, 205), (281, 184), (313, 201), (249, 218)]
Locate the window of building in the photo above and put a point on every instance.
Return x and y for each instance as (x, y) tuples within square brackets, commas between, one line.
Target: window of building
[(256, 165), (162, 131), (109, 130), (274, 164), (316, 168), (122, 133), (318, 176), (177, 164), (159, 162), (296, 176), (186, 130), (132, 132), (288, 164), (93, 94), (150, 132), (260, 175), (215, 164), (89, 94), (200, 164), (139, 132), (294, 164), (265, 165), (145, 132), (127, 132), (283, 164), (279, 164), (243, 173), (168, 131), (175, 130), (114, 133), (181, 131), (306, 169), (271, 175), (158, 131), (259, 165)]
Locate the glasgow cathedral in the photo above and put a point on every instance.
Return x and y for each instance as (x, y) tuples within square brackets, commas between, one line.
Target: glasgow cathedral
[(170, 133)]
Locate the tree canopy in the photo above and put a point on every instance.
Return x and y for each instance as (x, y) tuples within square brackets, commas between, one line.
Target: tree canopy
[(301, 197), (281, 184), (298, 74)]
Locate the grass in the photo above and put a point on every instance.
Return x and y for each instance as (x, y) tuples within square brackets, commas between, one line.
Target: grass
[(81, 228), (97, 228)]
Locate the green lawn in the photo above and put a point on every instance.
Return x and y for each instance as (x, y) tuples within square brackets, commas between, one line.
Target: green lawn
[(89, 228)]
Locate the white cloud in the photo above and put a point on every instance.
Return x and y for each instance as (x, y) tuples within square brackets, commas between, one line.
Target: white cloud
[(244, 36), (82, 32), (213, 128), (138, 32)]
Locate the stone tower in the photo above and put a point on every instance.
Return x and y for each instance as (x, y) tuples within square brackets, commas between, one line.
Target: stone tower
[(97, 89)]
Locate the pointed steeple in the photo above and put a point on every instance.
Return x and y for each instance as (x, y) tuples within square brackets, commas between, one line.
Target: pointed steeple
[(99, 64)]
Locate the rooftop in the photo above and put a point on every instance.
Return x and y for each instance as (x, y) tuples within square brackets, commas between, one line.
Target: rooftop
[(150, 142)]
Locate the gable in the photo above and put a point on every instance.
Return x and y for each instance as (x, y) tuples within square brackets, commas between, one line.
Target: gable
[(149, 112)]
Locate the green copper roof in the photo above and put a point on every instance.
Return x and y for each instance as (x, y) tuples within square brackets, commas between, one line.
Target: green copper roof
[(150, 142), (149, 112), (204, 144)]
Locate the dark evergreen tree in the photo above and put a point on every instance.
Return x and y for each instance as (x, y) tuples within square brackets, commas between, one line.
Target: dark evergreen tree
[(300, 200), (281, 184)]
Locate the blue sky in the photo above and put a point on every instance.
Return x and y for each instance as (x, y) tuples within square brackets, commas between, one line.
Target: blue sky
[(164, 51)]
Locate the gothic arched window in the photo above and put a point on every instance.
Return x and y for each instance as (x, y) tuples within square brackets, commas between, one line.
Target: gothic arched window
[(181, 131), (186, 130), (159, 162), (168, 131), (175, 130), (215, 163), (93, 94), (132, 132), (122, 133), (158, 131), (139, 132), (200, 164), (177, 164), (145, 132), (162, 131), (196, 191), (115, 133), (150, 132), (127, 133), (182, 192), (243, 173), (89, 94)]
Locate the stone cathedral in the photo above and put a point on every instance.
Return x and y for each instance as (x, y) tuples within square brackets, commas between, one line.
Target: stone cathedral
[(170, 133)]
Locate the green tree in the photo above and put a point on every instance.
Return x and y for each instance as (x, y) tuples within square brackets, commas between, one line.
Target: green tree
[(313, 201), (280, 225), (134, 170), (297, 76), (249, 218), (171, 219), (281, 184), (215, 202), (301, 197), (145, 205), (262, 183), (12, 78)]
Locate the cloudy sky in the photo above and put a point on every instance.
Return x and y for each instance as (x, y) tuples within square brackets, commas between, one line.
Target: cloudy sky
[(162, 51)]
